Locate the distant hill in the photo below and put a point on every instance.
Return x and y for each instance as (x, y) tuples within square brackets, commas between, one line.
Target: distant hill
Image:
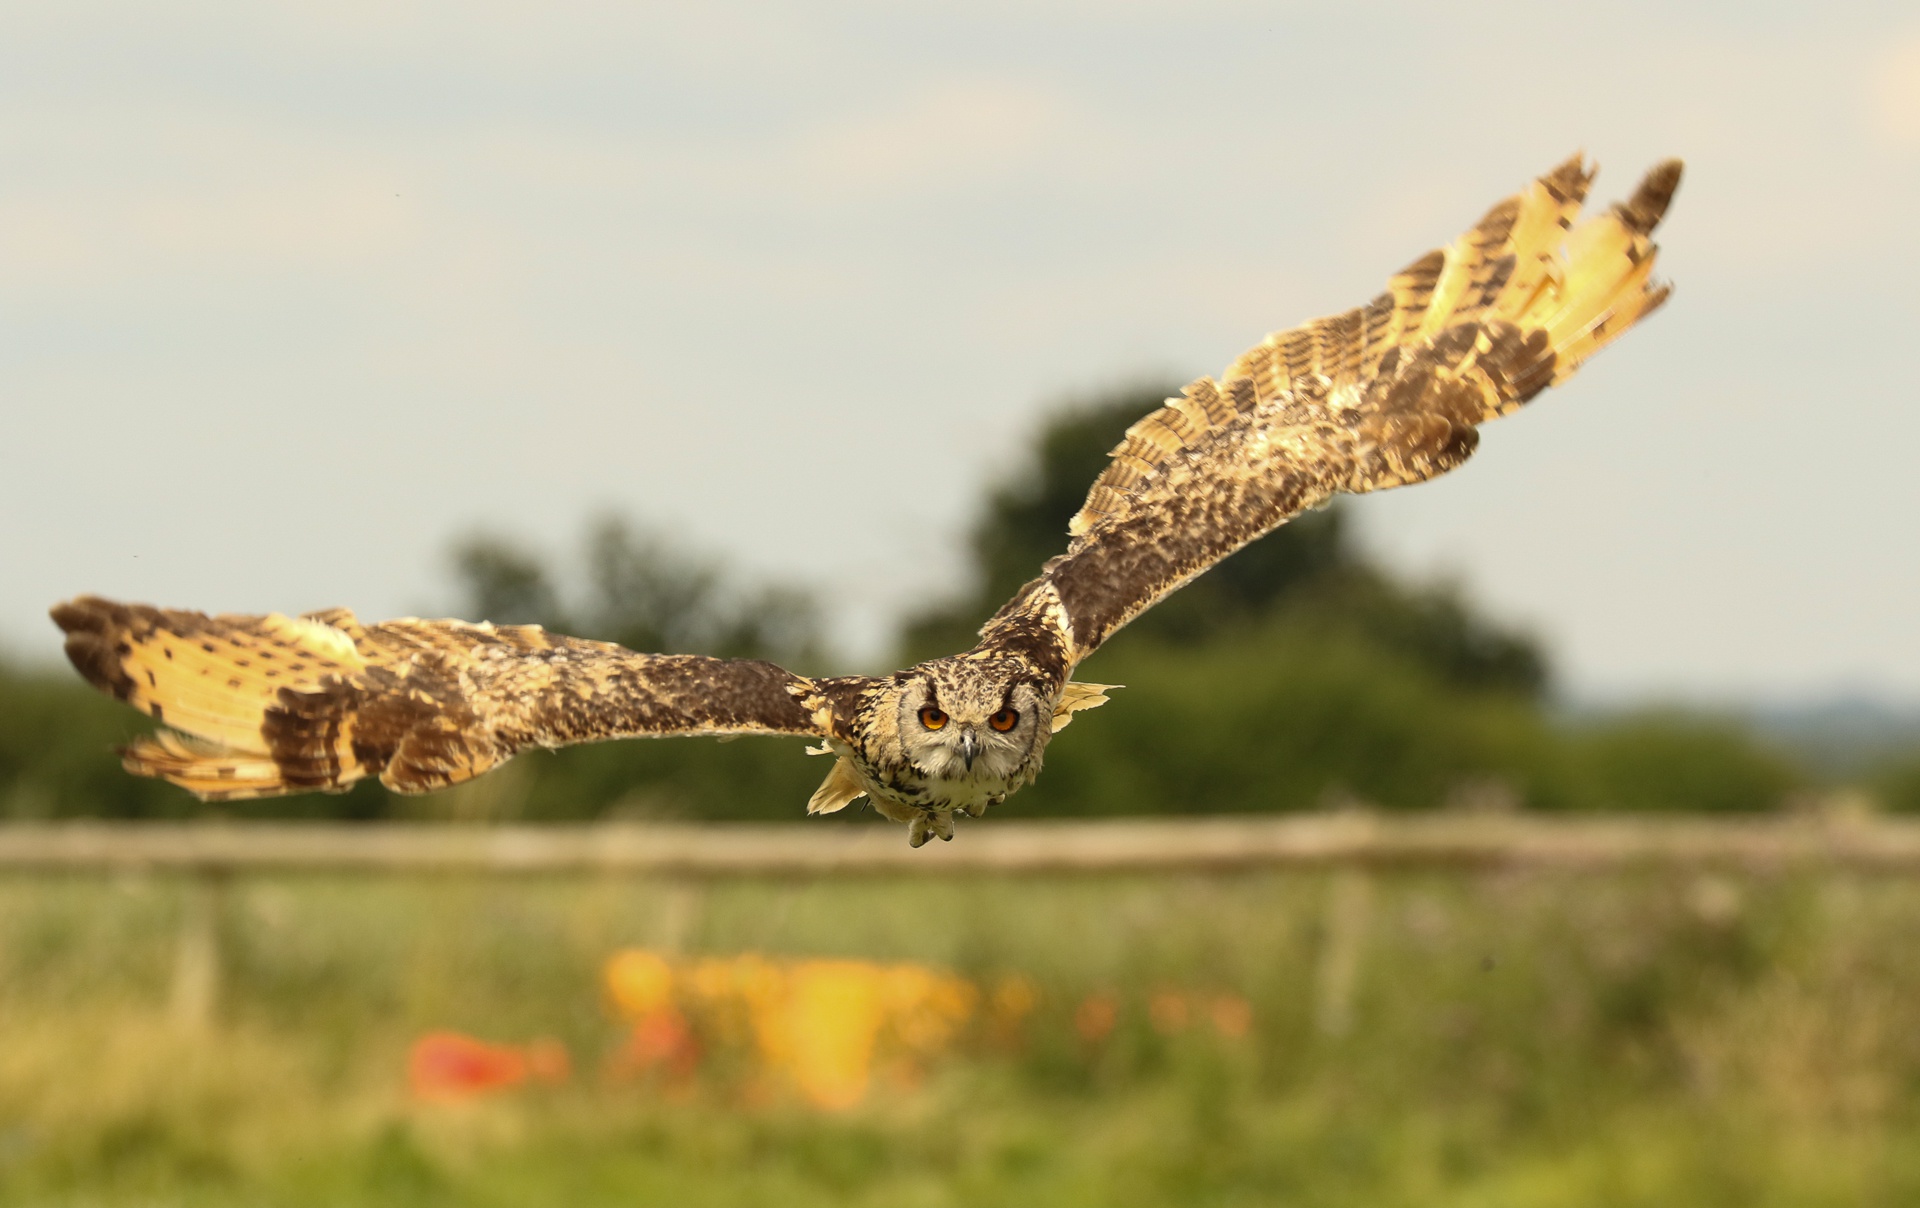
[(1842, 736), (1838, 738)]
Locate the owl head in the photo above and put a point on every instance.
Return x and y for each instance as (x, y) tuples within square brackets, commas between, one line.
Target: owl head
[(972, 718)]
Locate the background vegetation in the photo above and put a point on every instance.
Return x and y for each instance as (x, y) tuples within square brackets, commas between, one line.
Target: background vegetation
[(1493, 1041), (1296, 674), (1515, 1041)]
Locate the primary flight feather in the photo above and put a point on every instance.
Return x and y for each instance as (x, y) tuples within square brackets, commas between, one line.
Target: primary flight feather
[(1381, 396)]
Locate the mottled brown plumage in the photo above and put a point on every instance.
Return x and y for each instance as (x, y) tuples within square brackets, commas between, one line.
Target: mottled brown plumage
[(289, 704), (1380, 396)]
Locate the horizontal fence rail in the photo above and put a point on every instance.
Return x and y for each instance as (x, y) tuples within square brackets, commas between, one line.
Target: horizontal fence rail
[(1352, 839), (1351, 844)]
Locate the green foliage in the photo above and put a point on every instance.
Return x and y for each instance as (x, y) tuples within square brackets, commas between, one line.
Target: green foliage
[(1897, 785), (1295, 714), (57, 735), (56, 741), (1291, 677), (1515, 1042), (1284, 715), (1672, 761), (57, 738), (1294, 675), (643, 591), (505, 584)]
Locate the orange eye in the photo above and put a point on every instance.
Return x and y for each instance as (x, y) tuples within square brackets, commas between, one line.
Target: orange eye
[(1004, 720), (932, 718)]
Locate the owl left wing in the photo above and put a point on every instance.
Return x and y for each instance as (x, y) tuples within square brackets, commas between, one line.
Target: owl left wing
[(262, 706), (1384, 395)]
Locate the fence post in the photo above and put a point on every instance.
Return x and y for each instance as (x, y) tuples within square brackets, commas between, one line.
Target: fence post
[(195, 998), (679, 914), (1349, 909)]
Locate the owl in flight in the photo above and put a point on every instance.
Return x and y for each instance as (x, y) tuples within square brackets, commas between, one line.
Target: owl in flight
[(1380, 396)]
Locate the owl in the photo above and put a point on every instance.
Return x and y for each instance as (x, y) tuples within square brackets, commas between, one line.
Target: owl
[(1384, 395)]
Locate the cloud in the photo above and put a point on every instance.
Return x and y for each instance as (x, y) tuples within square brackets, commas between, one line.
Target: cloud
[(116, 194), (818, 235), (1893, 93), (958, 134), (494, 38)]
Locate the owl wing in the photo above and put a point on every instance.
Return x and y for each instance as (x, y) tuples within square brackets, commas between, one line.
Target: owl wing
[(1381, 396), (265, 705)]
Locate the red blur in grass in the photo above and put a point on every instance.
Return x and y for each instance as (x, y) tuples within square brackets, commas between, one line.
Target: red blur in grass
[(447, 1067), (661, 1041), (1095, 1017)]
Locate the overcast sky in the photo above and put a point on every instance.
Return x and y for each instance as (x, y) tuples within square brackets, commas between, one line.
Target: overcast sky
[(290, 296)]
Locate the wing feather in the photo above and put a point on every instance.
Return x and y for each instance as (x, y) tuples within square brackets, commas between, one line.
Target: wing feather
[(1380, 396), (266, 705)]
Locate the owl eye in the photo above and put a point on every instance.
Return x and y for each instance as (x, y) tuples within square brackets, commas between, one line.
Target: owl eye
[(932, 718), (1004, 720)]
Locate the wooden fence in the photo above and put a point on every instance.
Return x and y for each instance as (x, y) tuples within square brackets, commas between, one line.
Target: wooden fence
[(1351, 844), (1348, 839)]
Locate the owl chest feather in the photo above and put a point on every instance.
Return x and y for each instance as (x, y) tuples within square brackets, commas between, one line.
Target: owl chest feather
[(900, 791)]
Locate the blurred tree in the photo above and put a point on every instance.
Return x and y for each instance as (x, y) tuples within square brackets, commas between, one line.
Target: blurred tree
[(505, 583), (1309, 564), (57, 743), (1285, 714), (644, 591), (647, 592), (1664, 759), (1293, 674), (1897, 785)]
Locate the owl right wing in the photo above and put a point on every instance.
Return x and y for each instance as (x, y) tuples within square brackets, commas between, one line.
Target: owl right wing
[(261, 706), (1384, 395)]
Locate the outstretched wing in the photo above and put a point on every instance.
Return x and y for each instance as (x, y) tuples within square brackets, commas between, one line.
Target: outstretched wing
[(1384, 395), (261, 706)]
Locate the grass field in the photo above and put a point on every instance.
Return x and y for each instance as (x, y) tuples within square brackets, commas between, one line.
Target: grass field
[(1415, 1040)]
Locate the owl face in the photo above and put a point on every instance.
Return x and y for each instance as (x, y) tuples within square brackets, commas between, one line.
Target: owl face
[(970, 720)]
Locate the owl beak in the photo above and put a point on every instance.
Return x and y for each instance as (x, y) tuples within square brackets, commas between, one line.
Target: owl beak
[(968, 747)]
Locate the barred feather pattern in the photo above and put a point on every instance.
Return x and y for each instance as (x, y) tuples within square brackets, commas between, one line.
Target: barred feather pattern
[(266, 705), (1384, 395)]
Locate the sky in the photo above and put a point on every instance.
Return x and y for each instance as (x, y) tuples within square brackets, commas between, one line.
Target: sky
[(292, 296)]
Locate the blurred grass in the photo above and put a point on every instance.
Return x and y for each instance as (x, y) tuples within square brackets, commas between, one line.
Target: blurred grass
[(1515, 1040)]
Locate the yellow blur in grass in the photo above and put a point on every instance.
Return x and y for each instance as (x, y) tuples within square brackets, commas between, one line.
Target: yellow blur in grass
[(816, 1026), (1632, 1040)]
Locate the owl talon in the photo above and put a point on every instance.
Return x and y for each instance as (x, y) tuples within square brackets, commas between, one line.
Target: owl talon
[(926, 826)]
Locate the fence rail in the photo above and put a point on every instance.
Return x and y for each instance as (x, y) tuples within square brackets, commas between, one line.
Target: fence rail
[(1346, 839), (207, 856)]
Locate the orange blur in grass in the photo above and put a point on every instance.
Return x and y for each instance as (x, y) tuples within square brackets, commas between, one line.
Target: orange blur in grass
[(449, 1066), (1171, 1012), (1094, 1018), (818, 1027)]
